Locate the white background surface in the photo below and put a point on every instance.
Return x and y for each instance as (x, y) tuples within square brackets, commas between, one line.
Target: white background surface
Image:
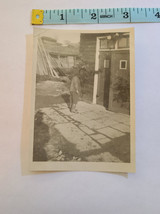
[(78, 192)]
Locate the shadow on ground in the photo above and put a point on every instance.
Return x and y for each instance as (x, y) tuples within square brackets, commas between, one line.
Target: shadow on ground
[(49, 142), (118, 147), (46, 101), (41, 137)]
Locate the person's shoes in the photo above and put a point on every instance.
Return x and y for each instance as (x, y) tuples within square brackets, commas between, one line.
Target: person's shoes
[(74, 111), (73, 108)]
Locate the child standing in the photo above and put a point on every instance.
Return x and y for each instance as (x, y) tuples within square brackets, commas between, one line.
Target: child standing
[(75, 91)]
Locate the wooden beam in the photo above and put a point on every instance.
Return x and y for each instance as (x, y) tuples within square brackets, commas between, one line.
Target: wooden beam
[(52, 71), (95, 87)]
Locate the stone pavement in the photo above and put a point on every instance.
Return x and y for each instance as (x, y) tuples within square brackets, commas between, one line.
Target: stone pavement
[(90, 130)]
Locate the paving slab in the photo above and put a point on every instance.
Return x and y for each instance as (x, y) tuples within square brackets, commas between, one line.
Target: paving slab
[(83, 107), (66, 117), (105, 121), (110, 132), (97, 136), (87, 107), (121, 127), (121, 118), (104, 140), (92, 124), (52, 114), (77, 137), (97, 108), (103, 157), (66, 111), (93, 115), (76, 123), (86, 130), (79, 117)]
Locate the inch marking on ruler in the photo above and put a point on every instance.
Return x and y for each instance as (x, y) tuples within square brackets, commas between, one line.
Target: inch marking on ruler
[(96, 16)]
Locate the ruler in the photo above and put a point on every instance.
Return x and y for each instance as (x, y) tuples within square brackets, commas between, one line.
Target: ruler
[(96, 16)]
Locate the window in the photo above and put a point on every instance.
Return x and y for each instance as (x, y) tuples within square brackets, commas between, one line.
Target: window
[(123, 64), (107, 44), (106, 63), (103, 43), (123, 42)]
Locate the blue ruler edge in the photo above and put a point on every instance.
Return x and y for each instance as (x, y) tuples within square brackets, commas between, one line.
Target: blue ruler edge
[(96, 16)]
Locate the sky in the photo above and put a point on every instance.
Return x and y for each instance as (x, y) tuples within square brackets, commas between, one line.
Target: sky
[(60, 35)]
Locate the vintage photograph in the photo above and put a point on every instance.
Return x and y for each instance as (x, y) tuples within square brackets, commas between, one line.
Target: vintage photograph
[(83, 100)]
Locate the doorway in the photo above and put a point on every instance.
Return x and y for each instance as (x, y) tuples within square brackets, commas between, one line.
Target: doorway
[(104, 78)]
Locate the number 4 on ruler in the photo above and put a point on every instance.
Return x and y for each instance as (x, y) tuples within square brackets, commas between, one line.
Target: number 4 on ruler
[(157, 14)]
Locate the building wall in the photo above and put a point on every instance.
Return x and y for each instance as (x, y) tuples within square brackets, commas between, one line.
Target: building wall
[(88, 48), (87, 54), (119, 54), (120, 78)]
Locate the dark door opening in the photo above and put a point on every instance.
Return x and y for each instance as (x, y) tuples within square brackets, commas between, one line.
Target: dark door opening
[(104, 78)]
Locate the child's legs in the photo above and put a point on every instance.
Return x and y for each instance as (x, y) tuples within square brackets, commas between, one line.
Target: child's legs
[(75, 98), (71, 99)]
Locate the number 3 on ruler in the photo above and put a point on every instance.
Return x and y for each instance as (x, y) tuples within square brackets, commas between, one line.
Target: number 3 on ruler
[(126, 15)]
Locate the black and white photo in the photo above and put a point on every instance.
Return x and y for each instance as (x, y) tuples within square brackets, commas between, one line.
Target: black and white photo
[(83, 112)]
